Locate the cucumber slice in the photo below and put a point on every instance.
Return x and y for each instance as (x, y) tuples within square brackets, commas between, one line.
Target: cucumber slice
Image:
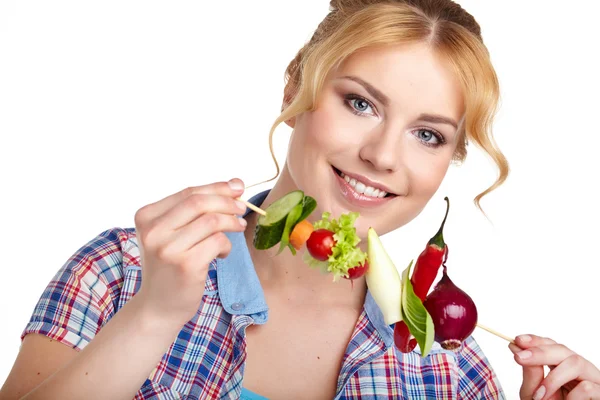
[(270, 227), (290, 223), (308, 206), (279, 209)]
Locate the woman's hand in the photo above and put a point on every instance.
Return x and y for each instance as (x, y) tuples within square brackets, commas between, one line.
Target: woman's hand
[(571, 376), (179, 236)]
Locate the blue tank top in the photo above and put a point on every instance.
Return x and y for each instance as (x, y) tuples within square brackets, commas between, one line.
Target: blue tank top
[(248, 395)]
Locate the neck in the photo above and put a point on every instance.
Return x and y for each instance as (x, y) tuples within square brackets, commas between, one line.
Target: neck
[(287, 273)]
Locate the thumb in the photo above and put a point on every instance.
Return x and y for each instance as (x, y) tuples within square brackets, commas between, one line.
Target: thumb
[(532, 376)]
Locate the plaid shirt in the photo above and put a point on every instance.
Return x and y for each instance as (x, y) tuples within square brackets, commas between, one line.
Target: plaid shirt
[(206, 361)]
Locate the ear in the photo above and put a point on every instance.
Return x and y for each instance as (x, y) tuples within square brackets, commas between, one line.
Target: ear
[(291, 122)]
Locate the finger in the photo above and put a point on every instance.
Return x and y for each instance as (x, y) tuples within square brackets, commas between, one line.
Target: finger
[(204, 227), (233, 188), (195, 206), (532, 375), (514, 348), (197, 258), (573, 368), (585, 390), (527, 341), (215, 246), (550, 354)]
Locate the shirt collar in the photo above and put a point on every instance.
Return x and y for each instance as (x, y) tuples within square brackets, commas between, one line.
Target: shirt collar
[(238, 284), (241, 293)]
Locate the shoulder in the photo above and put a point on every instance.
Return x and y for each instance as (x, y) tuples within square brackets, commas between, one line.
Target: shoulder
[(477, 376), (104, 271), (87, 290), (465, 372), (468, 368), (108, 248), (113, 257), (104, 257)]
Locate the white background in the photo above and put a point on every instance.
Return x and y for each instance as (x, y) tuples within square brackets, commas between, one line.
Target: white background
[(107, 106)]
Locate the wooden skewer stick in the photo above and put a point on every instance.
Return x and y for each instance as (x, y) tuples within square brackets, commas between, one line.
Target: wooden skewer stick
[(253, 207), (485, 328), (493, 332)]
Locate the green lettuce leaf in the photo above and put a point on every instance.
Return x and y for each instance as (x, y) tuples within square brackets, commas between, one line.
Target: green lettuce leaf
[(415, 315), (345, 254)]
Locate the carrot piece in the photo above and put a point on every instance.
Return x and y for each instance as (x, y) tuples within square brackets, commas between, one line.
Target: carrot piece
[(301, 233)]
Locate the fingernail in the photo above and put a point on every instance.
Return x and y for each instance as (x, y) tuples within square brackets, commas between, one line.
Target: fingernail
[(235, 185), (524, 338), (243, 222), (240, 205), (524, 354), (539, 394)]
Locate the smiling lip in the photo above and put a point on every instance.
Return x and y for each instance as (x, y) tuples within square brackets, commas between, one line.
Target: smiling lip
[(366, 181), (358, 199)]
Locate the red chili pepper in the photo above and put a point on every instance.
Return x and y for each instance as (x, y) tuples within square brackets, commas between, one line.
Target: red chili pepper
[(426, 269), (430, 261)]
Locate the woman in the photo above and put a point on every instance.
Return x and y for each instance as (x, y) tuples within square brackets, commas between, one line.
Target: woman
[(183, 306)]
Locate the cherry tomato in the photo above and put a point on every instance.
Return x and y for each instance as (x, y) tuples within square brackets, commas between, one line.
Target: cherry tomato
[(320, 243), (358, 271)]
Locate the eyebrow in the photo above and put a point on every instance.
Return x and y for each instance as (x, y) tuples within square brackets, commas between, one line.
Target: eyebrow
[(373, 91), (438, 119)]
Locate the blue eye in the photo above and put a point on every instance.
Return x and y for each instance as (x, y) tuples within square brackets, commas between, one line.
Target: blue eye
[(360, 105), (429, 137)]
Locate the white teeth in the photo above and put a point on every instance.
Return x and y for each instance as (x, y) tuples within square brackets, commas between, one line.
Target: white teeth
[(364, 189), (360, 187)]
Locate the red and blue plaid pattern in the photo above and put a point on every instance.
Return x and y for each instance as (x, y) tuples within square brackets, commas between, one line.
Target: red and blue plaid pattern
[(207, 358)]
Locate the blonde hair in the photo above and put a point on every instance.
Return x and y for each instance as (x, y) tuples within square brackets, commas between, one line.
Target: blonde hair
[(352, 25)]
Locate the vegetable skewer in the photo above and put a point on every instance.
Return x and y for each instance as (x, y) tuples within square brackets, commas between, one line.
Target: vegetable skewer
[(295, 246), (253, 207), (493, 332)]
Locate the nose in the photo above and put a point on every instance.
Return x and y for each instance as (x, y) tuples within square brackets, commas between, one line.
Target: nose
[(382, 150)]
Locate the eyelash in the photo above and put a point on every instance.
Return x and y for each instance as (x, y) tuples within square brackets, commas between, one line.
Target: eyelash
[(350, 97), (439, 137)]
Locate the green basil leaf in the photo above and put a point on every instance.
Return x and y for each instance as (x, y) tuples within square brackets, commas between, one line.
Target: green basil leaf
[(308, 206)]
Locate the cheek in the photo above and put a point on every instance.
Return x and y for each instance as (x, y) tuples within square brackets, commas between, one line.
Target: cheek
[(332, 128), (317, 130), (313, 140), (427, 172)]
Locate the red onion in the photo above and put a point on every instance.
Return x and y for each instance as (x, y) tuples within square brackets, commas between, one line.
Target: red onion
[(453, 312)]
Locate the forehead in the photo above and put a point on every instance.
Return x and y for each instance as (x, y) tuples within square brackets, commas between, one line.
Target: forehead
[(413, 76)]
